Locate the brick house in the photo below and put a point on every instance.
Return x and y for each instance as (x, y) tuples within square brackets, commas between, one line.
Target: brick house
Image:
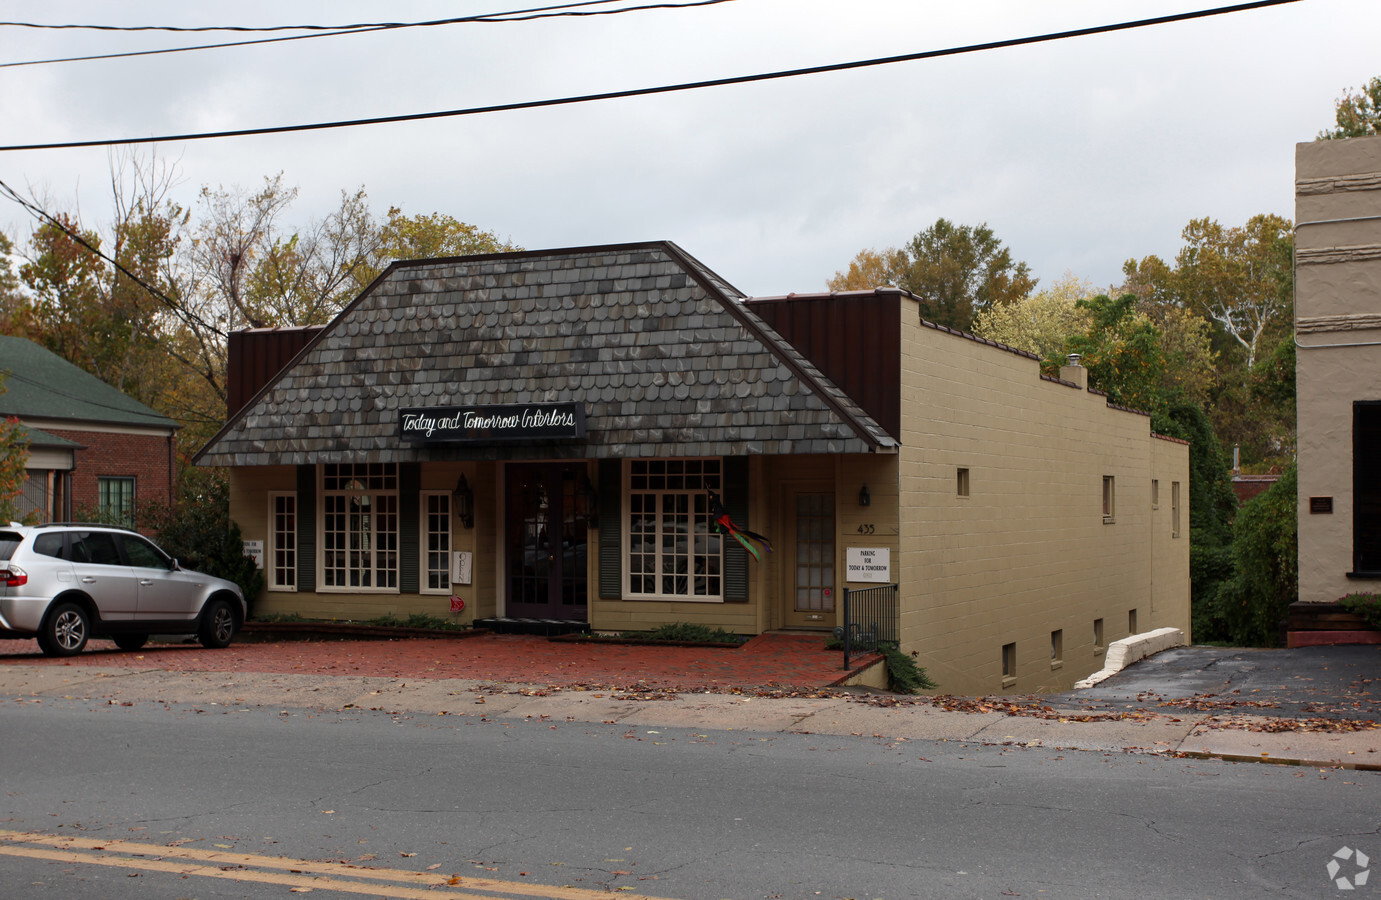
[(544, 436), (92, 449)]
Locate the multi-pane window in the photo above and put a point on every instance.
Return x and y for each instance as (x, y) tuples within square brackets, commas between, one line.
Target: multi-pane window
[(436, 535), (115, 500), (815, 552), (673, 548), (360, 526), (282, 554)]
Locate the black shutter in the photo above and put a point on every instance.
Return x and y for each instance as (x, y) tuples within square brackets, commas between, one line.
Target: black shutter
[(736, 505), (409, 545), (306, 528), (611, 529)]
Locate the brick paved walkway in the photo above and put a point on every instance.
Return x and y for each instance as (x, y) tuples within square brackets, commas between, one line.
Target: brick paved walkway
[(770, 660)]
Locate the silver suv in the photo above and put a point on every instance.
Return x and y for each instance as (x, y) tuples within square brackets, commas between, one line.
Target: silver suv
[(65, 582)]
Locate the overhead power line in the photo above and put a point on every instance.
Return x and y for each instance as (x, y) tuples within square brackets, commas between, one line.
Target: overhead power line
[(517, 15), (664, 89), (38, 212), (356, 25)]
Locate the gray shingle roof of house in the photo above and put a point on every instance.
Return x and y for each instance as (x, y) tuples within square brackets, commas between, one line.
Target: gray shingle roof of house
[(657, 347), (39, 384)]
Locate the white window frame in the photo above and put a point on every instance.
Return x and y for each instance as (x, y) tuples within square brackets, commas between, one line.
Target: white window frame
[(1109, 499), (271, 566), (377, 515), (711, 538), (424, 549)]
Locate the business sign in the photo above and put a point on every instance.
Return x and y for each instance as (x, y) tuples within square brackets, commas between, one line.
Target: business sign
[(868, 564), (509, 422)]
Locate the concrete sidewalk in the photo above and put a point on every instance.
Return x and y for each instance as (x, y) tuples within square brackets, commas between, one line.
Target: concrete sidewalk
[(1052, 723)]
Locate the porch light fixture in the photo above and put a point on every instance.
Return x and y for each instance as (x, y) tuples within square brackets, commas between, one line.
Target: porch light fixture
[(465, 502), (863, 498)]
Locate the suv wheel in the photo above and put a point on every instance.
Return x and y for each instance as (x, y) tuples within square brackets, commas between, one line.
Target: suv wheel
[(65, 630), (130, 642), (218, 625)]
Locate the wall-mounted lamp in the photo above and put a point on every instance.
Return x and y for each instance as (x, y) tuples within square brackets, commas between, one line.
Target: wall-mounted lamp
[(465, 502), (591, 501), (863, 498)]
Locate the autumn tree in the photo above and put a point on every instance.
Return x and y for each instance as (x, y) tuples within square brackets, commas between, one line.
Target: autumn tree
[(1357, 113), (1239, 283), (1040, 323), (956, 270), (1241, 278), (146, 303), (14, 456), (426, 236)]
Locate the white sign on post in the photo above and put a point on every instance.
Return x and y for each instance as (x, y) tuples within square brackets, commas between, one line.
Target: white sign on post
[(255, 550), (868, 564), (460, 571)]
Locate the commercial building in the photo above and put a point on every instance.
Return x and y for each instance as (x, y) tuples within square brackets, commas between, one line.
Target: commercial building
[(549, 436), (1338, 373)]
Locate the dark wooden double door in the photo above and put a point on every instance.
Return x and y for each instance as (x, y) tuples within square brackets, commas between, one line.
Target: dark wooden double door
[(547, 537)]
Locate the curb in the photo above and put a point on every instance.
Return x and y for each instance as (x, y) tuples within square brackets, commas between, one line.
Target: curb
[(1133, 649)]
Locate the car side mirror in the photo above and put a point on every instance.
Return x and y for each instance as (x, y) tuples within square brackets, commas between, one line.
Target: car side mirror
[(173, 566)]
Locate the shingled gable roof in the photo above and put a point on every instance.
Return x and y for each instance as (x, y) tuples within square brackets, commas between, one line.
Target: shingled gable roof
[(42, 386), (660, 350)]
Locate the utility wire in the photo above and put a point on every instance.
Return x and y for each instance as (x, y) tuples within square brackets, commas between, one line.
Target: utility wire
[(350, 27), (519, 15), (38, 212), (664, 89)]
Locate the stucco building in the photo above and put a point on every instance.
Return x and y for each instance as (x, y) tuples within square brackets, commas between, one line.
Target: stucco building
[(1338, 373), (93, 450), (539, 434)]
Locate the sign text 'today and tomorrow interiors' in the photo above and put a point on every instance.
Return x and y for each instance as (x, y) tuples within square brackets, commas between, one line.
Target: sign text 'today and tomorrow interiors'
[(511, 422)]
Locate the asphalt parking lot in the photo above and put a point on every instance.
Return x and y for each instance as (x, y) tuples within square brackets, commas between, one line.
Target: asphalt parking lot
[(1338, 682)]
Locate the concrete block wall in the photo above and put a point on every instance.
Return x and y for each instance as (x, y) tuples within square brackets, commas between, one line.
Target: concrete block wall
[(1027, 552)]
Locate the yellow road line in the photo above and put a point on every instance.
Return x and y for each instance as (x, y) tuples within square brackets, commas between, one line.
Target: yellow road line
[(301, 873)]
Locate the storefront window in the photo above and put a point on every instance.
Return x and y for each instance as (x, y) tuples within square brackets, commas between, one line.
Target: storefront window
[(673, 549), (360, 526), (282, 568)]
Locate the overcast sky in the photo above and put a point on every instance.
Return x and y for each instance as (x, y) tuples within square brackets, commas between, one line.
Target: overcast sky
[(1079, 153)]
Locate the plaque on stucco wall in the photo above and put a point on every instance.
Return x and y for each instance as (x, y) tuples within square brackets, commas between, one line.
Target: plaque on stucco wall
[(507, 422)]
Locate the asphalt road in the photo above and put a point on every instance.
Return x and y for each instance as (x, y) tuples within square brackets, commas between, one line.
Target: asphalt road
[(249, 801)]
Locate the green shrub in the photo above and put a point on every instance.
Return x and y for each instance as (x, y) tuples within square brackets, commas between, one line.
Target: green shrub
[(1265, 551), (1366, 605), (417, 620), (904, 676), (196, 530), (686, 631)]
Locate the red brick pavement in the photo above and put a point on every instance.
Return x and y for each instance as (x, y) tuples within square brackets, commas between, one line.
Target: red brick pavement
[(770, 660)]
